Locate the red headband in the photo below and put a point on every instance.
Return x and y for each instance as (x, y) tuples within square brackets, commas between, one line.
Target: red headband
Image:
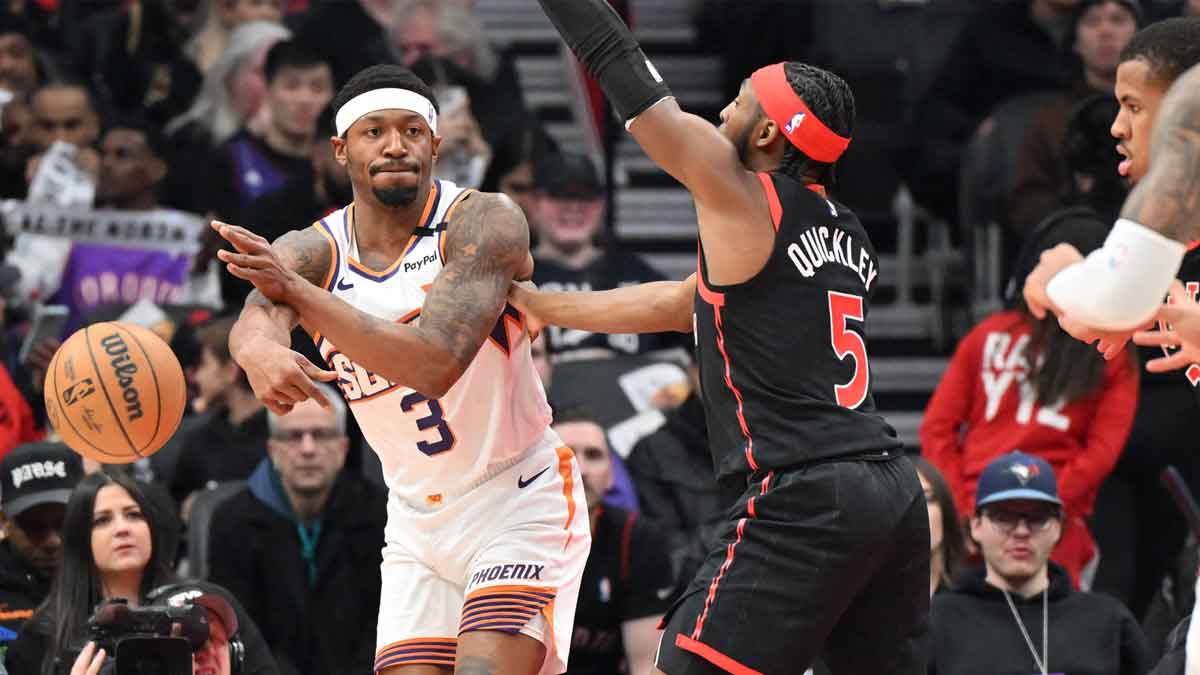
[(804, 129)]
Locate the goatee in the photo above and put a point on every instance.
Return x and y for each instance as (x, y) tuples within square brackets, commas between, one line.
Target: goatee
[(395, 197)]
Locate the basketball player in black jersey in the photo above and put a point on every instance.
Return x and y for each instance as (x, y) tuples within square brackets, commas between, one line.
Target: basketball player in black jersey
[(826, 552)]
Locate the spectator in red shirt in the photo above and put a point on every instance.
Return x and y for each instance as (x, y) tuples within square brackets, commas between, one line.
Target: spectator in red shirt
[(1019, 383)]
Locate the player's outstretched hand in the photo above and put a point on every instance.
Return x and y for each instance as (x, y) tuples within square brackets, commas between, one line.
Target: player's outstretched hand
[(1108, 343), (256, 262), (1052, 262), (280, 377), (522, 295), (1182, 330), (89, 660)]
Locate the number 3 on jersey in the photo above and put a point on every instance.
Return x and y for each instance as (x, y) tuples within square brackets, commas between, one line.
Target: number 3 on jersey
[(434, 420), (843, 307)]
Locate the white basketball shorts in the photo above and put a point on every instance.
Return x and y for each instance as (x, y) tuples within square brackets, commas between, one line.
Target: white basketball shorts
[(506, 556)]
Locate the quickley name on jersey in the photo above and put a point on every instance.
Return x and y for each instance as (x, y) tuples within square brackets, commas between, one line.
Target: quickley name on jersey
[(783, 359)]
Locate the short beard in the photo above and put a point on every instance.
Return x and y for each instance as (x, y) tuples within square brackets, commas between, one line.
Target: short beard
[(742, 143), (395, 197)]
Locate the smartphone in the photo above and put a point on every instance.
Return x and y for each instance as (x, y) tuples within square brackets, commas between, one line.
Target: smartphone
[(49, 322)]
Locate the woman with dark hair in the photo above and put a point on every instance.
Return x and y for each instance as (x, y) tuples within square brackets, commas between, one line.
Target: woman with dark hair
[(1016, 382), (109, 551), (114, 546), (947, 547)]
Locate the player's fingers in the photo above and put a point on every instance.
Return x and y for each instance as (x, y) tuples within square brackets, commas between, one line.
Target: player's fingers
[(310, 391), (1175, 361), (305, 382), (277, 407), (252, 275), (1116, 350), (259, 261), (247, 240), (298, 390), (1111, 349), (319, 374), (1036, 298), (244, 259), (1156, 338), (241, 238), (1076, 329)]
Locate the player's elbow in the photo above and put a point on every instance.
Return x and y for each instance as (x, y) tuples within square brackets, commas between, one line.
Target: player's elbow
[(439, 381)]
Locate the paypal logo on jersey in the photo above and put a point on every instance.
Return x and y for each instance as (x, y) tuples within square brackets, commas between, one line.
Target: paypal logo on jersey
[(418, 264)]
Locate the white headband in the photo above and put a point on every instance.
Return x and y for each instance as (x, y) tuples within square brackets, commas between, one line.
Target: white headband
[(384, 99)]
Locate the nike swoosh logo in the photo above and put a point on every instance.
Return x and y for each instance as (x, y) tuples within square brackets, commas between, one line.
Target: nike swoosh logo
[(343, 286), (522, 483)]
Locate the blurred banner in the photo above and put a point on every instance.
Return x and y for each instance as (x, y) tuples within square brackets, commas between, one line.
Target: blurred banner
[(161, 229)]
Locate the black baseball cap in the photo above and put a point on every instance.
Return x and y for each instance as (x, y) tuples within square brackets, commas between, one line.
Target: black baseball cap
[(568, 175), (1017, 475), (38, 473)]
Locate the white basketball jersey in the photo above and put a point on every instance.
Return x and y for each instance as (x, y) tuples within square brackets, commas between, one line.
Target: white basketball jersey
[(433, 449)]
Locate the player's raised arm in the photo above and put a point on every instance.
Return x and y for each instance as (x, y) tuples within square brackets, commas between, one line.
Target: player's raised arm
[(487, 246), (684, 145), (1120, 286), (652, 307), (261, 338)]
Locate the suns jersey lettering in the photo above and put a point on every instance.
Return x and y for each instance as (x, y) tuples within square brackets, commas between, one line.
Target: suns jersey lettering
[(430, 448)]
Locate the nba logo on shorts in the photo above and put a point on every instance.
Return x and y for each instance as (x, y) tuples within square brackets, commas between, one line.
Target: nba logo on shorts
[(796, 120)]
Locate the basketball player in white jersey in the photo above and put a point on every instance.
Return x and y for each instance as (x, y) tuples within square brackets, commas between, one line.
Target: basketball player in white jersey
[(404, 293)]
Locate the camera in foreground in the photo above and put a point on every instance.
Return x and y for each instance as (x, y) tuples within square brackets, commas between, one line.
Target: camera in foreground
[(152, 640)]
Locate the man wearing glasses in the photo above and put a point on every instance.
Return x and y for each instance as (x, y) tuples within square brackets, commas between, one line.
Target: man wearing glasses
[(1018, 613), (300, 546)]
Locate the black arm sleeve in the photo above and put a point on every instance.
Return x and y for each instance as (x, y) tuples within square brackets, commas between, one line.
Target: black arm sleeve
[(607, 48)]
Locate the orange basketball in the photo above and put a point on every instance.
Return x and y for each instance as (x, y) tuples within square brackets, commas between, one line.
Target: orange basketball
[(115, 392)]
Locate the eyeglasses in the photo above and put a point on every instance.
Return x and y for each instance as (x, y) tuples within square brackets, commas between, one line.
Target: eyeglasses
[(1006, 521), (319, 435)]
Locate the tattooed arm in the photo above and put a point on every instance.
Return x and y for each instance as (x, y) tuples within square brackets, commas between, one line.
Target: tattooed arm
[(307, 253), (487, 246), (261, 338), (1168, 198)]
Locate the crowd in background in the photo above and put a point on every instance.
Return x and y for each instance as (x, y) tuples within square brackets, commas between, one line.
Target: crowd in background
[(183, 111)]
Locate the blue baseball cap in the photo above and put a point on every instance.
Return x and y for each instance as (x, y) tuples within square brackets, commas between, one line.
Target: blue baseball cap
[(1017, 476)]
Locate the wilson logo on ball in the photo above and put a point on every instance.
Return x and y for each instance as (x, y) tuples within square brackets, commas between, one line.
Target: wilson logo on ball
[(78, 391), (125, 369)]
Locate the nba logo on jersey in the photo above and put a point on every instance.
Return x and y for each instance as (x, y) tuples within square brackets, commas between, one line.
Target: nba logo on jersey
[(795, 123)]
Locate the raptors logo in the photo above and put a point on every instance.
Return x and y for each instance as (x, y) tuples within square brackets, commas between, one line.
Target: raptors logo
[(1193, 371)]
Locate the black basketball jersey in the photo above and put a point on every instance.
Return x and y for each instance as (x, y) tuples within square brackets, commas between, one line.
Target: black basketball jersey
[(783, 362)]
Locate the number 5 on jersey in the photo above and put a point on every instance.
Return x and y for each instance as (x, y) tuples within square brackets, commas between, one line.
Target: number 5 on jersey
[(434, 420), (847, 343)]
